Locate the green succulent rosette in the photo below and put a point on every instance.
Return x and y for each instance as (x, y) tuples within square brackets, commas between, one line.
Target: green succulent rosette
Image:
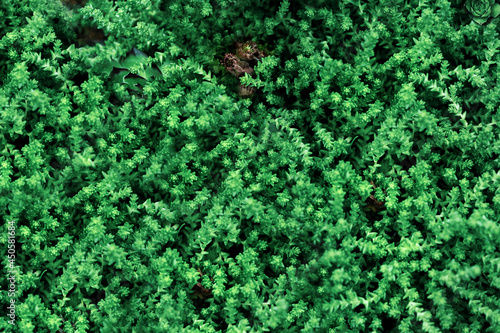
[(482, 10), (132, 71)]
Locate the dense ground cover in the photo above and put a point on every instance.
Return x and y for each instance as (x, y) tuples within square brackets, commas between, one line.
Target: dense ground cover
[(337, 170)]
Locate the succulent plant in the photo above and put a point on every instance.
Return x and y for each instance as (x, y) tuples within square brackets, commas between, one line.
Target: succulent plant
[(132, 71), (482, 10)]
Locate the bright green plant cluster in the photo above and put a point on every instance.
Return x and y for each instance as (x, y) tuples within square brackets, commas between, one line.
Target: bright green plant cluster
[(358, 191)]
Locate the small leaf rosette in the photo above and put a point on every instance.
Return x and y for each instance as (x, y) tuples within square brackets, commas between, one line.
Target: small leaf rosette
[(133, 71), (482, 10)]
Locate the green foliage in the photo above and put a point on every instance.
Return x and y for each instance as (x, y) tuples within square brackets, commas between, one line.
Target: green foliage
[(356, 192), (482, 10)]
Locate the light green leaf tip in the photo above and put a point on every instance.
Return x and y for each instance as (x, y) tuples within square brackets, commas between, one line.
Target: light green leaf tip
[(495, 10)]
